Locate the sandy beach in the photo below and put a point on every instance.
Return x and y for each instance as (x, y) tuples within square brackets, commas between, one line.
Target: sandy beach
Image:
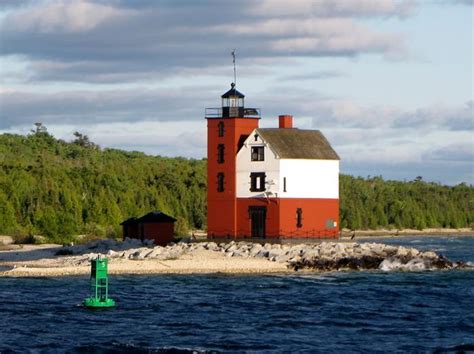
[(32, 261)]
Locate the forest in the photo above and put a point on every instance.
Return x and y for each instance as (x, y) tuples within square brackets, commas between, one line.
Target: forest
[(61, 189)]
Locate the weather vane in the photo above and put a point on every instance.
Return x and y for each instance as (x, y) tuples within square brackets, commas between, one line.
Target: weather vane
[(233, 60)]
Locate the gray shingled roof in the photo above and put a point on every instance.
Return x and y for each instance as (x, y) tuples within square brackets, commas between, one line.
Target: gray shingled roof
[(292, 143)]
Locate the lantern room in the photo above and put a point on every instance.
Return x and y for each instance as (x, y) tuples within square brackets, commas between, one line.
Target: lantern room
[(232, 103)]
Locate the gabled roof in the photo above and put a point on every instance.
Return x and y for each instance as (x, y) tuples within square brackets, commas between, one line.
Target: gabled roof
[(233, 93), (129, 221), (293, 143), (156, 216)]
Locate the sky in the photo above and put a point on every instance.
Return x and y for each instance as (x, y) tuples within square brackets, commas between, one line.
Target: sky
[(388, 82)]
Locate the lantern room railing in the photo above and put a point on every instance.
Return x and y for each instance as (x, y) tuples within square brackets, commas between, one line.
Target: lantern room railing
[(226, 112)]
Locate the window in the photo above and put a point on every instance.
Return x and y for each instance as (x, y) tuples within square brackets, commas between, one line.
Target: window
[(258, 153), (299, 217), (220, 153), (257, 181), (220, 182), (284, 184), (220, 129)]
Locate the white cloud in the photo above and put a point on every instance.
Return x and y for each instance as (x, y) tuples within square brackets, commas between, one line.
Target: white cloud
[(68, 16), (335, 8)]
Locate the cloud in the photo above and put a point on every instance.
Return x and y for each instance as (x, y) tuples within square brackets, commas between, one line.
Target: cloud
[(335, 8), (452, 152), (454, 118), (320, 75), (87, 41), (90, 107), (64, 16)]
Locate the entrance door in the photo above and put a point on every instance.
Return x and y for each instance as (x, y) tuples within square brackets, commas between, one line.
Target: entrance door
[(258, 216)]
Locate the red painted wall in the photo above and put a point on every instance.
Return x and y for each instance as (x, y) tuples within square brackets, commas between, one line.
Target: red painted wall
[(282, 218), (315, 215), (221, 206), (161, 232), (131, 231)]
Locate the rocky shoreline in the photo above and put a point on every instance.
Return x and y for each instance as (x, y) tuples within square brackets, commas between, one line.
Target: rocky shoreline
[(134, 257), (324, 256)]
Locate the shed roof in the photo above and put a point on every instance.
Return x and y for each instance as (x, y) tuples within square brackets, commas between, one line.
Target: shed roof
[(293, 143), (156, 216)]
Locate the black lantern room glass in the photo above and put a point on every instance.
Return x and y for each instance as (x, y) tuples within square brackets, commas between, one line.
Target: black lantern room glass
[(232, 103)]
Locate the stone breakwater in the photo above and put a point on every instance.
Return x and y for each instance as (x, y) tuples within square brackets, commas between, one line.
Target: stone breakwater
[(324, 256)]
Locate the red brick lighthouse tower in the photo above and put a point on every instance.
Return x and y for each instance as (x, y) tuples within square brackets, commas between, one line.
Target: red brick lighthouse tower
[(227, 129)]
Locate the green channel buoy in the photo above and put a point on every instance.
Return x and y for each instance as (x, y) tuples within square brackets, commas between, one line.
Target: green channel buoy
[(99, 285)]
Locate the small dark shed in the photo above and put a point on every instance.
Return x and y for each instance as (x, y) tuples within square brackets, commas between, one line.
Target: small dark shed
[(155, 226), (130, 228)]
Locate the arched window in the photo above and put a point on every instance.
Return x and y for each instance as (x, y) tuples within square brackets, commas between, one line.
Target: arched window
[(220, 153), (220, 129), (299, 217), (220, 182)]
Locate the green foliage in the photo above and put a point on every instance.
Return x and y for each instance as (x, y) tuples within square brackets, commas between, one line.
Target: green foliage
[(59, 189), (374, 203)]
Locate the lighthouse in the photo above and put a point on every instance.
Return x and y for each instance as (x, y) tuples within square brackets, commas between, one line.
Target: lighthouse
[(227, 129), (280, 182)]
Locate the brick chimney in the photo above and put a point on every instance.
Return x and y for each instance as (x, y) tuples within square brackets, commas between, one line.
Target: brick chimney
[(285, 121)]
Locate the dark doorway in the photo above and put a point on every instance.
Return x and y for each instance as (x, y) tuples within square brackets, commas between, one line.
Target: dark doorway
[(258, 216)]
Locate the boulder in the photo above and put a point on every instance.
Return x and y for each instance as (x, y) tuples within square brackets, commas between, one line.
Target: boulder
[(211, 246), (155, 252), (255, 249)]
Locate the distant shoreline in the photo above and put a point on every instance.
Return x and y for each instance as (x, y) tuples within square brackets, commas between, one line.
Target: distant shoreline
[(345, 233)]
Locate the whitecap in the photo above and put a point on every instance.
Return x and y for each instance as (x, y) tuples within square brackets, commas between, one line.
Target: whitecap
[(414, 265)]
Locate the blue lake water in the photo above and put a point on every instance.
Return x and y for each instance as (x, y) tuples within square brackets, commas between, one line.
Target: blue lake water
[(431, 311)]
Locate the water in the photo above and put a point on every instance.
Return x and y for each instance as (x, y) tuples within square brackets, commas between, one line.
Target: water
[(431, 311)]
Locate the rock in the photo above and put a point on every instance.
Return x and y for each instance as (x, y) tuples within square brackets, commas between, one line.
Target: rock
[(263, 253), (413, 253), (255, 249), (232, 248), (211, 246), (158, 250), (113, 254), (402, 252), (429, 255), (274, 252), (140, 254), (390, 251), (282, 258)]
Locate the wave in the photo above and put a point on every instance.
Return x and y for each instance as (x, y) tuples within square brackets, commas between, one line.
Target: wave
[(417, 265), (414, 265)]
